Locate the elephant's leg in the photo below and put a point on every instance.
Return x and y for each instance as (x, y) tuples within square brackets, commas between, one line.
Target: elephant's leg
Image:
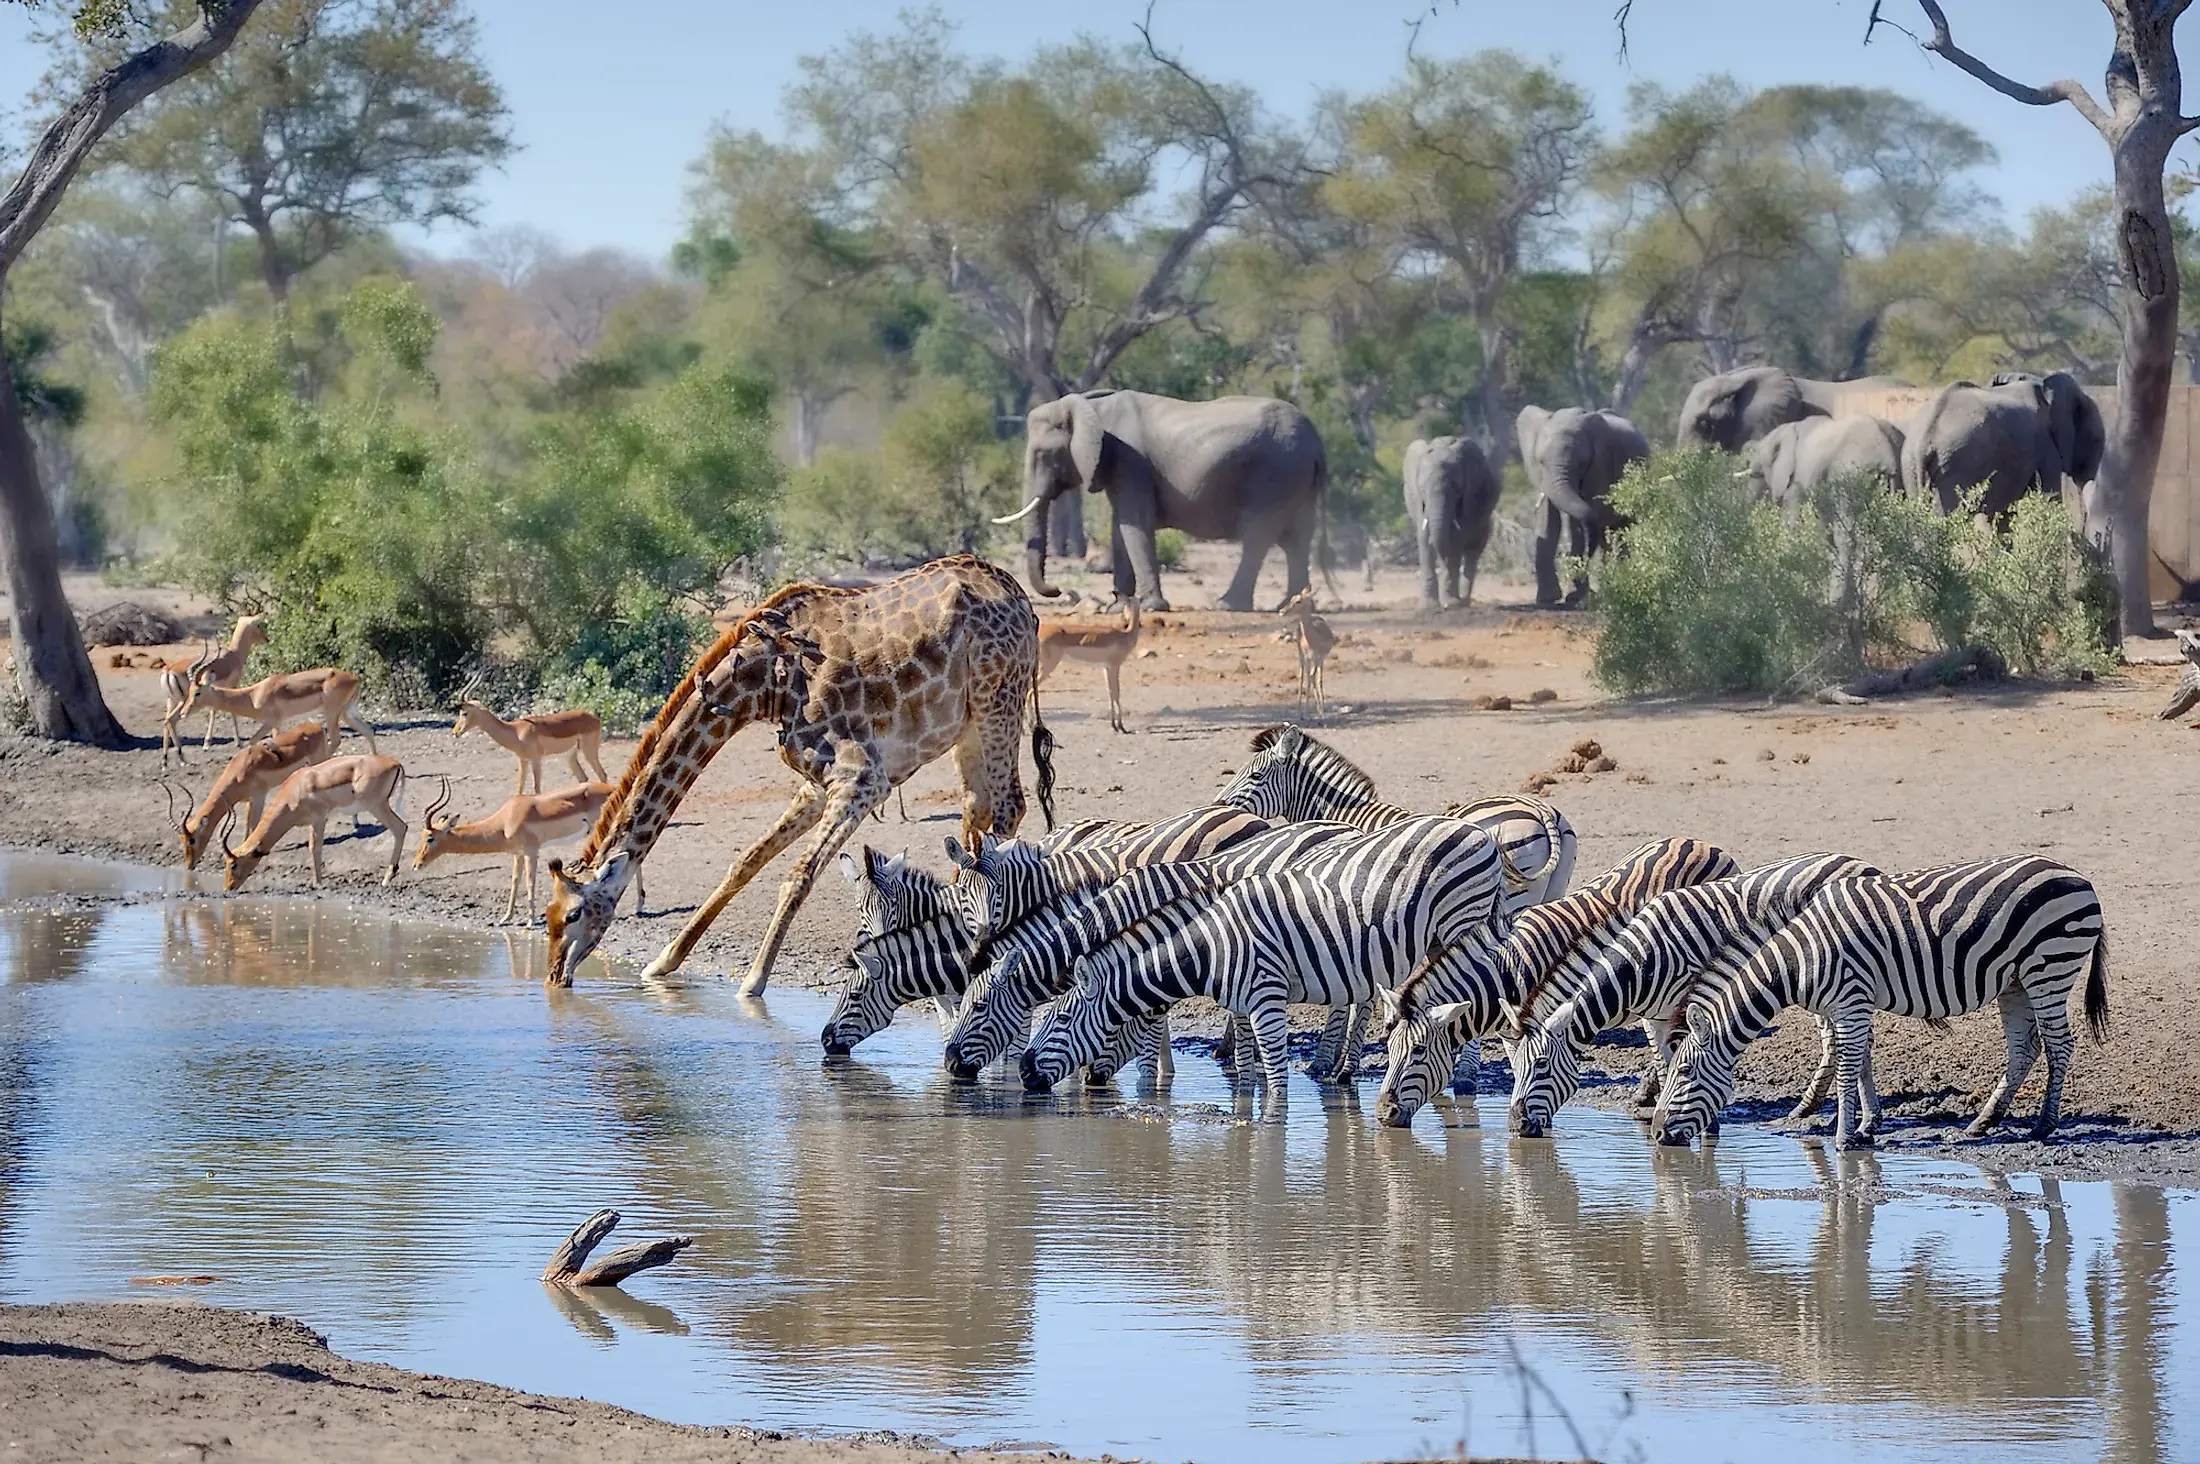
[(1429, 598), (1126, 577), (1258, 536), (1138, 563), (1582, 539), (1298, 551), (1546, 556), (1451, 578)]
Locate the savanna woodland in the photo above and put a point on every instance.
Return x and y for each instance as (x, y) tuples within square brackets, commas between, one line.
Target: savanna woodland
[(229, 370)]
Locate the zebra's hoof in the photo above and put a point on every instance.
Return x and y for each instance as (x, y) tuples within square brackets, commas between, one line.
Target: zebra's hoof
[(2042, 1132), (1854, 1141)]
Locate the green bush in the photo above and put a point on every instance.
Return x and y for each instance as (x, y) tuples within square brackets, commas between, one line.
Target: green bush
[(932, 488), (623, 668), (1168, 547), (1711, 592)]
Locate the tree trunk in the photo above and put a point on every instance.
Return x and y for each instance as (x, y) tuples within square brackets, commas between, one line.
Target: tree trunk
[(1634, 365), (1496, 367), (52, 670), (2150, 287)]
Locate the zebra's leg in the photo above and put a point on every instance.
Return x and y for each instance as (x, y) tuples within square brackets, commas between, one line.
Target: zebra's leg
[(1330, 1050), (1867, 1094), (1806, 1107), (1163, 1057), (1466, 1068), (2020, 1046), (1271, 1026), (2052, 1022), (1226, 1050), (1660, 1032), (1853, 1045)]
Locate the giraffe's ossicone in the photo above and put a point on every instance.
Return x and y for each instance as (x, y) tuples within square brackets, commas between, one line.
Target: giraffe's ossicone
[(866, 686)]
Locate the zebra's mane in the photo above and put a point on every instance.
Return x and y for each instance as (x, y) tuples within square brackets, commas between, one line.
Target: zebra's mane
[(1336, 773), (1602, 906)]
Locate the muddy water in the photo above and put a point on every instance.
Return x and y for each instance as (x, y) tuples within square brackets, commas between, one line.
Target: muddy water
[(384, 1129)]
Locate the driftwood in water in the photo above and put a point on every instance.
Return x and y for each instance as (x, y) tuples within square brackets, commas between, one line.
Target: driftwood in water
[(569, 1262), (1964, 663)]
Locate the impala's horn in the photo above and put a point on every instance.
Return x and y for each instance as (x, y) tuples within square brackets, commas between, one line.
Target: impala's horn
[(227, 852), (442, 801), (170, 789)]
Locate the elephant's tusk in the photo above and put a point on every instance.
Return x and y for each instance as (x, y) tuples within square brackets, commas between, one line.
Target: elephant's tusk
[(1021, 514)]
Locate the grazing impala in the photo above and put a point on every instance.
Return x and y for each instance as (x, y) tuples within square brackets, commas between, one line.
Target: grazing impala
[(222, 668), (286, 697), (1108, 646), (255, 771), (520, 828), (531, 739), (311, 796)]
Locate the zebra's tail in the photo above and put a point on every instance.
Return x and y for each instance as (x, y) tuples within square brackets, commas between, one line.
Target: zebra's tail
[(1042, 757), (2096, 991)]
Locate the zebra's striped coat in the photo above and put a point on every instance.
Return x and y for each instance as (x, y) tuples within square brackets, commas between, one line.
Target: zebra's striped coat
[(1645, 971), (1330, 930), (2016, 931), (1465, 991)]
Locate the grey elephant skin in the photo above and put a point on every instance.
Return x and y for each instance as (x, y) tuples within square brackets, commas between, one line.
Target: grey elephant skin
[(1573, 458), (2019, 433), (1736, 408), (1451, 499), (1246, 468), (1792, 460)]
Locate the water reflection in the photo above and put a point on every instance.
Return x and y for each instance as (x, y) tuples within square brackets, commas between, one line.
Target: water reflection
[(385, 1129)]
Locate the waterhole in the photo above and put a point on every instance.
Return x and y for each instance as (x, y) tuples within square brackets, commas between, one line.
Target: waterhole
[(384, 1128)]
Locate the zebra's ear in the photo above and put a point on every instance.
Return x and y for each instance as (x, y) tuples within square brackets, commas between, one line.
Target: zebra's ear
[(1514, 1020), (1445, 1013), (958, 855), (894, 868), (849, 869), (1386, 1005)]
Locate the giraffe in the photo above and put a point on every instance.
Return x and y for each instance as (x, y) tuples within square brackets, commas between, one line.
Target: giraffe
[(867, 686)]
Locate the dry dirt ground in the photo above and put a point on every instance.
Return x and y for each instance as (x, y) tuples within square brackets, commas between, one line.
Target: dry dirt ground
[(2083, 773), (148, 1381)]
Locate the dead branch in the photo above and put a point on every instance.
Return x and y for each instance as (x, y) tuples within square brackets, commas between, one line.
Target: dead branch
[(1964, 663), (568, 1263)]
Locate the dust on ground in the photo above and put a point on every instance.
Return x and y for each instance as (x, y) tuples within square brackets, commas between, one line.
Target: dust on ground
[(2083, 773), (152, 1381)]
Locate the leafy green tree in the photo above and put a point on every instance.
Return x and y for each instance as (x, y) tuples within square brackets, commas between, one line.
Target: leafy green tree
[(329, 118)]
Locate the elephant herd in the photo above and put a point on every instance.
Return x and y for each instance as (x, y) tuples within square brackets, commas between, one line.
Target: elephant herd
[(1253, 469)]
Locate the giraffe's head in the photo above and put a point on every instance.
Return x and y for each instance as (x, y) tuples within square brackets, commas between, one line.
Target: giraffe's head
[(580, 912)]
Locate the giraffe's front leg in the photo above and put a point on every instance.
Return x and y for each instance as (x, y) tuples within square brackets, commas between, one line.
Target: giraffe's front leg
[(855, 785), (809, 803)]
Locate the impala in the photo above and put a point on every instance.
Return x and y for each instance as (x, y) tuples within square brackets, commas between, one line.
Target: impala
[(257, 769), (1106, 646), (531, 739), (525, 823), (287, 696), (222, 668), (311, 796)]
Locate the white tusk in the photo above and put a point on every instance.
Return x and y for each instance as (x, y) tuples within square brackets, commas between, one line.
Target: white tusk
[(1021, 514)]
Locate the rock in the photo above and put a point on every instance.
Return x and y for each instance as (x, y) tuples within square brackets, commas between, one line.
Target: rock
[(1538, 782), (1494, 703), (128, 623), (1603, 765), (1149, 654), (1571, 763), (1541, 695), (1766, 754), (1588, 749)]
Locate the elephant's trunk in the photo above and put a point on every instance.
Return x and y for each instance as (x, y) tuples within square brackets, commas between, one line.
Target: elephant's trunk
[(1035, 549), (1568, 499)]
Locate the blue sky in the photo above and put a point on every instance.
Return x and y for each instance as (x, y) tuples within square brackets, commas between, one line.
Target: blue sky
[(611, 103)]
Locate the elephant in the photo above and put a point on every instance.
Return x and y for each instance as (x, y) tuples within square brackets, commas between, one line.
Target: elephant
[(2019, 432), (1795, 458), (1736, 408), (1573, 458), (1246, 468), (1451, 498)]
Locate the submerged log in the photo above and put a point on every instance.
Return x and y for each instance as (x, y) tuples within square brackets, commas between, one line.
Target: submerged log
[(1964, 663), (569, 1262)]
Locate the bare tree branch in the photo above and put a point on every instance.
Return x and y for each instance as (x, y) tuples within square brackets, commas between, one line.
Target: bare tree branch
[(63, 146), (1943, 45)]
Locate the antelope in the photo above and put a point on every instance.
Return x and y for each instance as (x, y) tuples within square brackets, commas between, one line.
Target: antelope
[(1315, 641), (222, 668), (520, 828), (531, 739), (1102, 645), (310, 796), (256, 769), (287, 696)]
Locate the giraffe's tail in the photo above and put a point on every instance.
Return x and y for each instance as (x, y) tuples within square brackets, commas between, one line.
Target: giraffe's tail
[(1042, 757)]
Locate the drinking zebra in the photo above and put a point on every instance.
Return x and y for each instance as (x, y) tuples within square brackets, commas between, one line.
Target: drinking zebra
[(1330, 930), (1936, 944), (911, 942), (1434, 1021), (1031, 961), (1294, 776), (1645, 972)]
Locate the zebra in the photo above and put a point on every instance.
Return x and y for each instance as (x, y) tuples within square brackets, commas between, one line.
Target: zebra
[(999, 880), (1031, 961), (1645, 972), (911, 942), (1331, 929), (1936, 944), (1294, 776), (1433, 1020)]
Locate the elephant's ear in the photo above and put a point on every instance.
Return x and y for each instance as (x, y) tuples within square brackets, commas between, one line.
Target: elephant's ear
[(2075, 423), (1085, 439)]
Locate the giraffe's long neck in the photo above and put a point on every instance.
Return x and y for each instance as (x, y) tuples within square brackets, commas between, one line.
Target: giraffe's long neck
[(706, 724)]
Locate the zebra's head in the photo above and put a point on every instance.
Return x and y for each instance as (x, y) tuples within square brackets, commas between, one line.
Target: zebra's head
[(887, 972), (891, 894), (995, 1015), (1074, 1033), (993, 883), (1424, 1044), (1290, 776), (1698, 1084), (1546, 1070)]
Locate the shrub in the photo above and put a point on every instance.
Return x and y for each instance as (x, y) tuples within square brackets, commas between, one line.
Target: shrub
[(1709, 591), (937, 479), (623, 668), (1168, 547)]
